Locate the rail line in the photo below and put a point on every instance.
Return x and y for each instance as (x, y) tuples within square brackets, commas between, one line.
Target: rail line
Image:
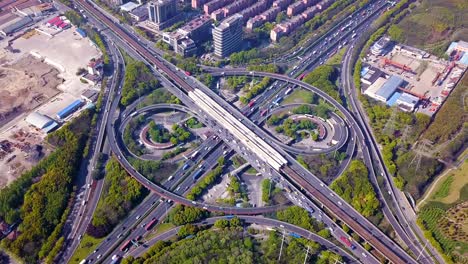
[(290, 173), (339, 213)]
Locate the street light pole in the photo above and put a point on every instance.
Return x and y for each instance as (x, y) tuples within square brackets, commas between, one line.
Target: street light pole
[(281, 249)]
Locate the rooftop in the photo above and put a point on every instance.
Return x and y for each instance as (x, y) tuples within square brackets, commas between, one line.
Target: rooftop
[(226, 23), (129, 6), (389, 87), (408, 98)]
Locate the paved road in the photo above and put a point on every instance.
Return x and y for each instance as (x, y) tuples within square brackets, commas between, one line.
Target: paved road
[(279, 225), (383, 244), (88, 195), (405, 229)]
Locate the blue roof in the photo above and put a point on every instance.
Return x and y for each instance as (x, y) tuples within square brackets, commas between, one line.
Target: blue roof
[(90, 106), (408, 98), (81, 32), (393, 99), (451, 47), (464, 58), (389, 87), (69, 109), (50, 127), (364, 71)]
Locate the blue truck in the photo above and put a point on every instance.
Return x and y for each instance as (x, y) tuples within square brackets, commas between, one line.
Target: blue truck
[(186, 165), (197, 174), (229, 216), (277, 100), (294, 235)]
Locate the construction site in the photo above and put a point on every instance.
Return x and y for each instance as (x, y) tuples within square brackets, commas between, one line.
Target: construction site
[(40, 90), (409, 78)]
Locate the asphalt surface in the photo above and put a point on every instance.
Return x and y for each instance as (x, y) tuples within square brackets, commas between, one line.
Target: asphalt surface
[(400, 223), (89, 193), (178, 78), (278, 225), (349, 119)]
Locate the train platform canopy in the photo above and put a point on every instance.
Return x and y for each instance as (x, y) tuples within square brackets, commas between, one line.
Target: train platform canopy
[(42, 122)]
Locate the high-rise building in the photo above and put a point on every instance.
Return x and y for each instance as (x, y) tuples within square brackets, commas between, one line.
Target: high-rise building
[(227, 37), (160, 11)]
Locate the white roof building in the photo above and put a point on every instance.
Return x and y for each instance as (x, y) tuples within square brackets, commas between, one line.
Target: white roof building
[(128, 7), (407, 102), (41, 121)]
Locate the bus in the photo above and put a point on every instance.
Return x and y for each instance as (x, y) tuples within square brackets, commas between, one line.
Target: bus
[(150, 224), (277, 100), (170, 178), (83, 261), (125, 245), (264, 111), (301, 76), (186, 165), (347, 242), (194, 155), (197, 174), (187, 73), (133, 114), (251, 103), (288, 91)]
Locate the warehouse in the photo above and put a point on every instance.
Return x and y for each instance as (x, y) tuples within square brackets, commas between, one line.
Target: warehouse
[(387, 89), (407, 102), (370, 74), (69, 109), (373, 88), (40, 121)]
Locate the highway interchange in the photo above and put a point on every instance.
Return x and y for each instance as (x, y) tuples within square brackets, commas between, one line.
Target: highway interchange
[(157, 207)]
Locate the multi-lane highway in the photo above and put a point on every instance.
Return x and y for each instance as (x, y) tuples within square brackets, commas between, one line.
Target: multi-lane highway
[(384, 245), (273, 224), (402, 226)]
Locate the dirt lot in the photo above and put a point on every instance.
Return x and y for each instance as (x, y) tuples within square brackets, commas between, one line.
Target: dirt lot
[(24, 85), (20, 149)]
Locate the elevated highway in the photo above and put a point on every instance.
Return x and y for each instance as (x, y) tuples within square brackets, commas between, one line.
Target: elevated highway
[(346, 213)]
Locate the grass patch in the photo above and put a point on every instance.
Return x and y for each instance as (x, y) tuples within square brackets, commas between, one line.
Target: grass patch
[(87, 245), (460, 179), (336, 59), (238, 161), (159, 229), (444, 188), (299, 96), (433, 24)]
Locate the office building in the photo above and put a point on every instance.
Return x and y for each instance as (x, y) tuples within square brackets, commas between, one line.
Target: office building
[(160, 11), (227, 37)]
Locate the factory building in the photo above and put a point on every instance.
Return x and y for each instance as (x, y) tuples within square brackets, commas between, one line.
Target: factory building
[(42, 122), (370, 74), (458, 52), (70, 109), (15, 25), (412, 52), (227, 37), (382, 91), (379, 47), (407, 102)]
